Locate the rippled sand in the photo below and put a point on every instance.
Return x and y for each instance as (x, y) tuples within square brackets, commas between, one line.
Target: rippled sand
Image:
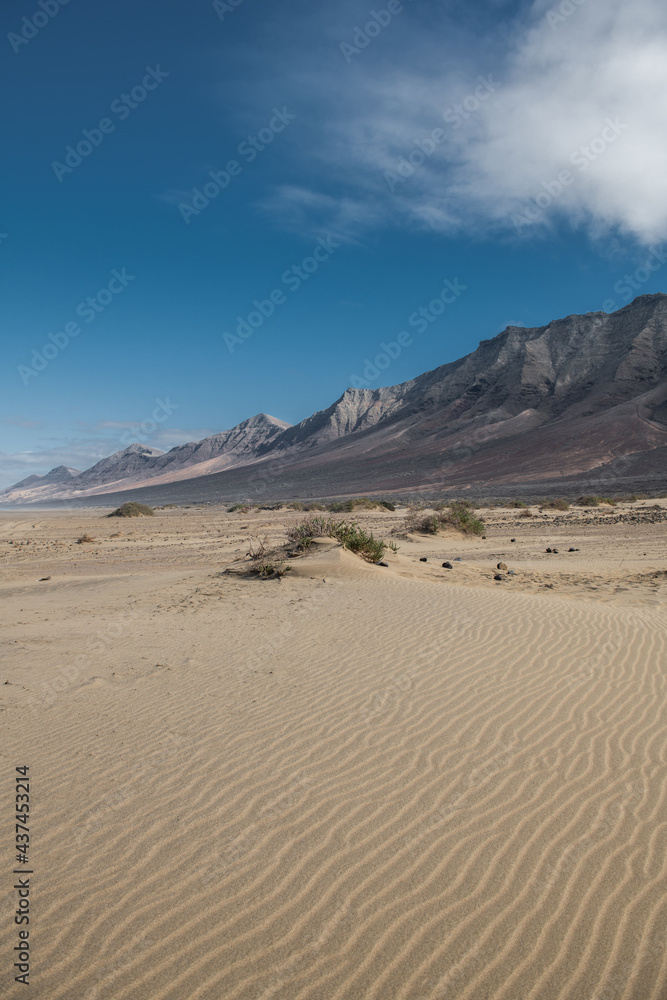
[(396, 783)]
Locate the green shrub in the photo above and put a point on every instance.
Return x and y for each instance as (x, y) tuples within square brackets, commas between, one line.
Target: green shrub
[(271, 570), (300, 536), (595, 501), (455, 515), (350, 535), (460, 517), (554, 505), (132, 509), (357, 540), (517, 503)]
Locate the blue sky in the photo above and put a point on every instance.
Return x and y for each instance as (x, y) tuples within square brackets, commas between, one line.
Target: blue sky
[(516, 150)]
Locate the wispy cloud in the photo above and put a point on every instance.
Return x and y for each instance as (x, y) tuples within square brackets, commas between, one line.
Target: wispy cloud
[(85, 451), (559, 84), (23, 423)]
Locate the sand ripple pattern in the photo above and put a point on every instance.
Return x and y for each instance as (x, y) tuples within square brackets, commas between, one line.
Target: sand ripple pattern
[(409, 792)]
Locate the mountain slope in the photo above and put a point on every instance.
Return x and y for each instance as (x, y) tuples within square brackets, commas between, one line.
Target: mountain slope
[(138, 464), (546, 404)]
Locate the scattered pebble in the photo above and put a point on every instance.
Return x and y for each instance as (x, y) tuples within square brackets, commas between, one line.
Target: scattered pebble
[(498, 577), (501, 565), (447, 565), (42, 579), (512, 539), (423, 559)]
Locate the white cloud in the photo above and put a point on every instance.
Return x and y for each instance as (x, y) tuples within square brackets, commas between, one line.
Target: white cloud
[(560, 83)]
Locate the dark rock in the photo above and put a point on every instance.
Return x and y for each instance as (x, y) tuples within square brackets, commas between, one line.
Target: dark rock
[(382, 564), (501, 565), (423, 559), (573, 550), (548, 550), (512, 539), (42, 579), (498, 577), (555, 552), (447, 565)]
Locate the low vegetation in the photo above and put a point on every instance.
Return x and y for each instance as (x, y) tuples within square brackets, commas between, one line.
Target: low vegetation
[(359, 503), (554, 505), (265, 562), (84, 539), (595, 501), (356, 539), (348, 533), (298, 505), (132, 509), (457, 514)]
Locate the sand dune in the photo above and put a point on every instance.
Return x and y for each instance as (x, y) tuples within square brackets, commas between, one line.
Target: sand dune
[(358, 782)]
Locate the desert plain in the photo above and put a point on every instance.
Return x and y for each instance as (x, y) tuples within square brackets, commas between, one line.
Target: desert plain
[(400, 782)]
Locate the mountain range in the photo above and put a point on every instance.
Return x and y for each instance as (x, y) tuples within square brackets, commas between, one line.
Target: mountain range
[(580, 401)]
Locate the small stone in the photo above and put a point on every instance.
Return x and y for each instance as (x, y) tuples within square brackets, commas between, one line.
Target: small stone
[(555, 552), (548, 550), (447, 565), (386, 564), (498, 577), (512, 539), (501, 566), (43, 579), (423, 559)]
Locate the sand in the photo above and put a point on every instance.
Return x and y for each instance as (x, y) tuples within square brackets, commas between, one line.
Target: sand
[(396, 783)]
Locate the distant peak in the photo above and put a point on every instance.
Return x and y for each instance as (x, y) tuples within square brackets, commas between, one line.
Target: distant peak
[(138, 449), (262, 419)]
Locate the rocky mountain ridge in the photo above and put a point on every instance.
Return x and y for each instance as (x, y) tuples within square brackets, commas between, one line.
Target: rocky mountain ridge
[(577, 395)]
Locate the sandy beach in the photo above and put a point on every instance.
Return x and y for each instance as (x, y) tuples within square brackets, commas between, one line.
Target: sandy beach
[(390, 783)]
